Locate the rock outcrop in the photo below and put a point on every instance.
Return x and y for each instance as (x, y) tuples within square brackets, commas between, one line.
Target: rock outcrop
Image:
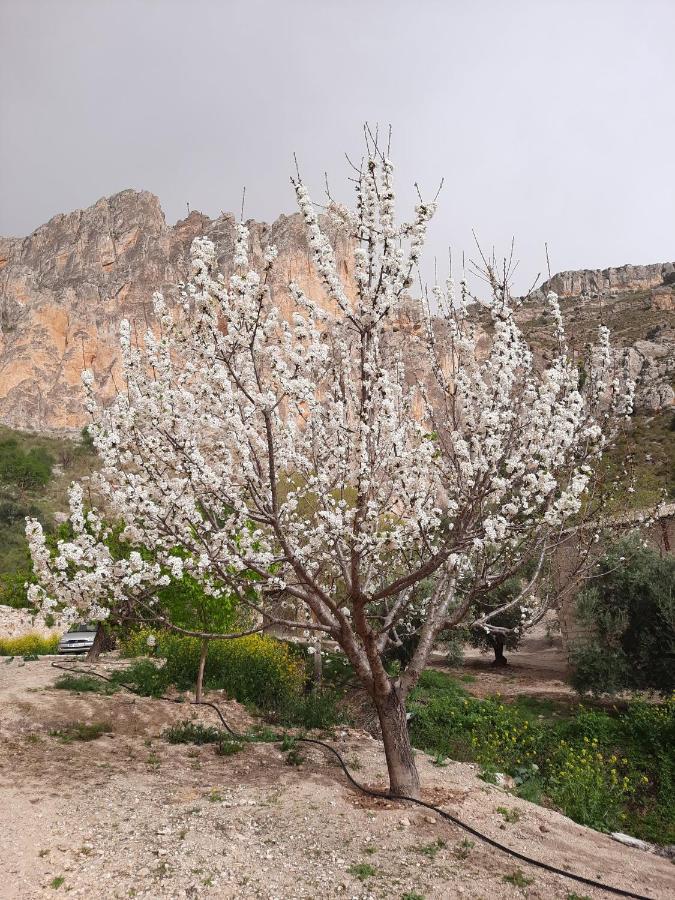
[(637, 303), (596, 282), (65, 288)]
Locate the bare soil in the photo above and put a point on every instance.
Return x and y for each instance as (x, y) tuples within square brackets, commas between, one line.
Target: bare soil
[(129, 815), (538, 669)]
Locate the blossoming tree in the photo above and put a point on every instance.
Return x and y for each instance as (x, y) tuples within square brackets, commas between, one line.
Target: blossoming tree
[(336, 467)]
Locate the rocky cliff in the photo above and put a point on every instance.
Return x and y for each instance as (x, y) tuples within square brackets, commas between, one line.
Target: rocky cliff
[(64, 289), (612, 281), (637, 303)]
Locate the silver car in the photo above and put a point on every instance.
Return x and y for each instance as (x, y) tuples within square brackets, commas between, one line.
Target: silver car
[(79, 638)]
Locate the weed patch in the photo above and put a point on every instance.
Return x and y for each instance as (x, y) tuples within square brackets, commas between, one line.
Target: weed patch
[(81, 731), (518, 879), (85, 684), (29, 645), (362, 871), (607, 771)]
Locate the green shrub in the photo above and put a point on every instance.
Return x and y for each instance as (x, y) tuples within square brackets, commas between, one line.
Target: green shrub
[(254, 669), (629, 621), (317, 709), (28, 644), (144, 677)]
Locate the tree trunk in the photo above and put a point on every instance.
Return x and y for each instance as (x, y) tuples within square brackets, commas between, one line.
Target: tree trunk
[(498, 647), (97, 646), (318, 665), (200, 670), (404, 780)]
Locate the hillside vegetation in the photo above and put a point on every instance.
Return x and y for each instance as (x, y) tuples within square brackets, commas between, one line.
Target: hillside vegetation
[(35, 471)]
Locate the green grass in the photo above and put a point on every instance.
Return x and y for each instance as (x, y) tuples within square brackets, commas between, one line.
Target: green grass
[(608, 771), (431, 850), (85, 684), (81, 731)]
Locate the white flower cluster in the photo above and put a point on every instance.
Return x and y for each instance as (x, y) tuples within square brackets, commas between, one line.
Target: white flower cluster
[(292, 451)]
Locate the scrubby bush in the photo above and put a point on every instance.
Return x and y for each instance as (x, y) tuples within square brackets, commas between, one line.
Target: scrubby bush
[(27, 469), (13, 590), (28, 645), (254, 669), (628, 616)]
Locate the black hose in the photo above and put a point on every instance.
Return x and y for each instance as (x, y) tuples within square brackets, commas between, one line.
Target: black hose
[(384, 795)]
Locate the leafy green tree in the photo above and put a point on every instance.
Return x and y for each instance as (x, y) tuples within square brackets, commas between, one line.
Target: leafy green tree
[(186, 605), (510, 619), (628, 616)]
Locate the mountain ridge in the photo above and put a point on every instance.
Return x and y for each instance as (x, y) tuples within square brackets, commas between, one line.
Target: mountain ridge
[(65, 287)]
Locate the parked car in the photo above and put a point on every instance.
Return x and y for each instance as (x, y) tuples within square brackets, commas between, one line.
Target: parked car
[(79, 638)]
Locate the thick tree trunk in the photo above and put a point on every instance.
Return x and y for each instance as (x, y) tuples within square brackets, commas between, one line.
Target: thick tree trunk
[(404, 780), (200, 671), (95, 649), (498, 647)]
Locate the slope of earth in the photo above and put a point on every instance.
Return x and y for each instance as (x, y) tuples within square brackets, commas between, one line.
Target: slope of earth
[(128, 815)]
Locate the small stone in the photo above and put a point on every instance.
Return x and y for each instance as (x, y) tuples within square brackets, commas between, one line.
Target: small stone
[(544, 829), (404, 821), (631, 841)]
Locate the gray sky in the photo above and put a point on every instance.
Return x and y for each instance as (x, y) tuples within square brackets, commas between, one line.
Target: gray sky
[(550, 120)]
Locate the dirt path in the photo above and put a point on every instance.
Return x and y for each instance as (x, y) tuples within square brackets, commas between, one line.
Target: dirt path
[(129, 815)]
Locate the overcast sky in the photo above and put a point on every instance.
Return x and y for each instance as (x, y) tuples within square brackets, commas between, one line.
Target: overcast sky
[(551, 121)]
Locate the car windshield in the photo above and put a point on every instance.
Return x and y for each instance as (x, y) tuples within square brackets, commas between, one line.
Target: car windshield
[(82, 626)]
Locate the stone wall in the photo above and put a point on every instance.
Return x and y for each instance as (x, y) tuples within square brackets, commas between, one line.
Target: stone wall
[(17, 622)]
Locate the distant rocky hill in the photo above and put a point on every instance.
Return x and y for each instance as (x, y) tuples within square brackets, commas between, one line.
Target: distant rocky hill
[(64, 289), (612, 281)]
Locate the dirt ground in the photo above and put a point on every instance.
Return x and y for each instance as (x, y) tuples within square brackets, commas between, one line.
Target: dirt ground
[(129, 815), (538, 668)]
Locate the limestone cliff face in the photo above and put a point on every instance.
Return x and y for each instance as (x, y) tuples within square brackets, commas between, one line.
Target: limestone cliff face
[(65, 288), (596, 282), (637, 303)]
